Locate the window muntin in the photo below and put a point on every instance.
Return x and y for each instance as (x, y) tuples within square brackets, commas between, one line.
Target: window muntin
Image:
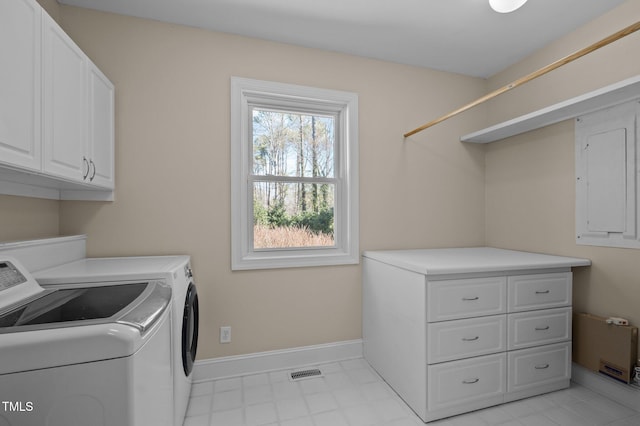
[(294, 168)]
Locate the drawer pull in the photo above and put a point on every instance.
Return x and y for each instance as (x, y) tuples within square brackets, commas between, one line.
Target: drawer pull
[(471, 381), (542, 328), (470, 339), (542, 367), (542, 292), (469, 299)]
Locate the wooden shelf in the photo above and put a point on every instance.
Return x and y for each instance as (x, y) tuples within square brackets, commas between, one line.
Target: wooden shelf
[(623, 91)]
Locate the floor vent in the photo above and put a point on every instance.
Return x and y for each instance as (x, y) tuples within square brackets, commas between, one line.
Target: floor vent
[(305, 374)]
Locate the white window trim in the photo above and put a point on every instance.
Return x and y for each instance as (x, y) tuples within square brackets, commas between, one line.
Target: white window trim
[(346, 251)]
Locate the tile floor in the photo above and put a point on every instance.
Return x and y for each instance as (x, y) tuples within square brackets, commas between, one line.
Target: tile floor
[(350, 393)]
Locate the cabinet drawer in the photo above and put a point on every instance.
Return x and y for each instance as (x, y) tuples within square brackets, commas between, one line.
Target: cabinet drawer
[(533, 367), (466, 381), (451, 340), (539, 291), (528, 329), (466, 298)]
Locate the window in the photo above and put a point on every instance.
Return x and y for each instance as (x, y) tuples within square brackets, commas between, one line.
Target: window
[(294, 186)]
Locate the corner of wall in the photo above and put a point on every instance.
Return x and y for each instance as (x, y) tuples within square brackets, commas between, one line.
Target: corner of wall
[(52, 7)]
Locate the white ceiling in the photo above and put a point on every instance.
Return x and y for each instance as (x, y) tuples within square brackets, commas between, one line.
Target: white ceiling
[(462, 36)]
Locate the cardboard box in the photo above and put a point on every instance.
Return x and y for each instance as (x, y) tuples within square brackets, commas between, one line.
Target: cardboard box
[(605, 348)]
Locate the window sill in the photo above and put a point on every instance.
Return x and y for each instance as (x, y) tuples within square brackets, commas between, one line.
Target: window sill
[(275, 260)]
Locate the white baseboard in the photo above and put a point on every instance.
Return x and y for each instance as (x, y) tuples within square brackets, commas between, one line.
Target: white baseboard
[(242, 365), (627, 395)]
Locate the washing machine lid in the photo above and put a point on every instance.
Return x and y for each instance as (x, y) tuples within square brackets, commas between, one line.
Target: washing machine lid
[(136, 304), (25, 306), (78, 323), (112, 269)]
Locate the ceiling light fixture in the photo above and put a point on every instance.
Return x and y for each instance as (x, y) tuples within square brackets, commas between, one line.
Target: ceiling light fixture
[(506, 6)]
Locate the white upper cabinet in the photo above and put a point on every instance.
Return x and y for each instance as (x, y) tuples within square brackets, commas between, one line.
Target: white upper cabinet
[(56, 111), (101, 128), (20, 84), (64, 104)]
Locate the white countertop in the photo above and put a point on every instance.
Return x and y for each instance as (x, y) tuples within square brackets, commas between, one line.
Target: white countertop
[(471, 260)]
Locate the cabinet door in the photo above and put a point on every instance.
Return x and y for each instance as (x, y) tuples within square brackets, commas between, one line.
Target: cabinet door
[(539, 291), (607, 167), (64, 104), (451, 340), (101, 128), (466, 298), (536, 367), (469, 384), (536, 328), (20, 72)]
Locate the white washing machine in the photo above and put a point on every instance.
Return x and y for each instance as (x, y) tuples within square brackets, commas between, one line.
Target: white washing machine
[(176, 271), (84, 354)]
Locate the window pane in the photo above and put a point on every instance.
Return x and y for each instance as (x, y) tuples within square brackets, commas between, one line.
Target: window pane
[(293, 144), (287, 215)]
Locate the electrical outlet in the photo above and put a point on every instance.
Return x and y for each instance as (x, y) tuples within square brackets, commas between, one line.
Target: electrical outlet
[(225, 334)]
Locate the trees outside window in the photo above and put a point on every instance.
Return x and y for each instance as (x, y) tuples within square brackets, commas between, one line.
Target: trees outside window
[(297, 212)]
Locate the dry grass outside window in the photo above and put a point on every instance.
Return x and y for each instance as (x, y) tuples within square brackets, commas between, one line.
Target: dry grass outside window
[(288, 236)]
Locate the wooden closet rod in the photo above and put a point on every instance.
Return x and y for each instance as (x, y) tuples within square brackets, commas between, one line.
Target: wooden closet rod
[(557, 64)]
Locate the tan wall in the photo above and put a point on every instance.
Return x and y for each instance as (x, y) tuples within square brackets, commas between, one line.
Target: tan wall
[(173, 171), (52, 7), (531, 178), (27, 218)]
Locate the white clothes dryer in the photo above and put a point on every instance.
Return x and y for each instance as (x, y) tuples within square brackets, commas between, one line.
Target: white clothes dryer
[(84, 354), (176, 271)]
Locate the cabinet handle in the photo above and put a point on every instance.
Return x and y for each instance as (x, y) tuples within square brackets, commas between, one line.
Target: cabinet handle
[(468, 299), (85, 163), (542, 292), (470, 382), (542, 328), (94, 170), (470, 339), (541, 366)]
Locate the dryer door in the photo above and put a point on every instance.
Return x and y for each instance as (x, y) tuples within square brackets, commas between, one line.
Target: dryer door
[(190, 329)]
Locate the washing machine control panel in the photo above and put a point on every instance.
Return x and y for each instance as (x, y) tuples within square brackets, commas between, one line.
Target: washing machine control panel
[(16, 283), (10, 275)]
